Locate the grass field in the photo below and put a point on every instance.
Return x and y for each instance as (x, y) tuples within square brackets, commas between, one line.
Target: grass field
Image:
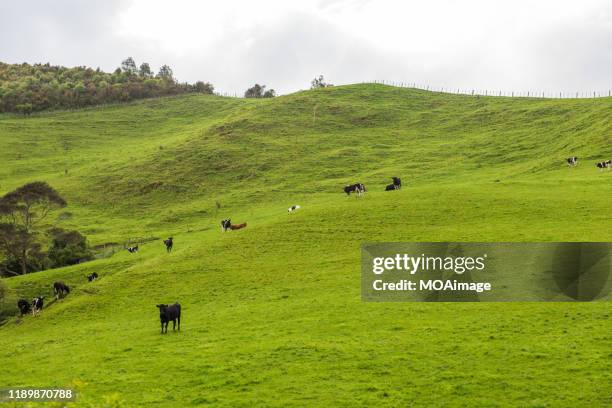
[(272, 314)]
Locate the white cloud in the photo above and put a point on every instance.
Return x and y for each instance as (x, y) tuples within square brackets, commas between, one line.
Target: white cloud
[(545, 45)]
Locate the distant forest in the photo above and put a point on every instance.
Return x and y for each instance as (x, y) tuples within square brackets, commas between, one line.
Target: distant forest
[(26, 88)]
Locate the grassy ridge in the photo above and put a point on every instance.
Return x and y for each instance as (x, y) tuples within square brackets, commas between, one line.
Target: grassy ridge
[(272, 313)]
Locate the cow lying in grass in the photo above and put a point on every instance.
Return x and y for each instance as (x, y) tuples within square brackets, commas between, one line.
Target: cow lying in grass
[(24, 307), (37, 305), (391, 187), (60, 289), (227, 225), (92, 277), (133, 249), (358, 188), (604, 165), (169, 313), (293, 208)]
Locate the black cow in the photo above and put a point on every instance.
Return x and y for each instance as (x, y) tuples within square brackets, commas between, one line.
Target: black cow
[(60, 289), (225, 225), (169, 313), (24, 306), (358, 188), (572, 161), (133, 249), (92, 277), (391, 187), (397, 182), (37, 305), (604, 164), (168, 243)]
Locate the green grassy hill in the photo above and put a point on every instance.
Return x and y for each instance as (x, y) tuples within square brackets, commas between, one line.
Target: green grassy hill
[(272, 313)]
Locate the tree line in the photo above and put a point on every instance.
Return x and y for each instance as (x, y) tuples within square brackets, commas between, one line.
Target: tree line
[(26, 88)]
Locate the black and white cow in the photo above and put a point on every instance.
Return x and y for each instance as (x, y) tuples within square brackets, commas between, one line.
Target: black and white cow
[(397, 182), (92, 277), (572, 161), (37, 305), (604, 165), (293, 208), (133, 249), (226, 225), (169, 313), (358, 188), (60, 289), (24, 306)]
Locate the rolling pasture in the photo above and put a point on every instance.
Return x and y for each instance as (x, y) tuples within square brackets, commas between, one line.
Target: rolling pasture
[(272, 314)]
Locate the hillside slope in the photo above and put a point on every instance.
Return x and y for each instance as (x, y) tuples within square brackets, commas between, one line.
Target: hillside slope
[(272, 313)]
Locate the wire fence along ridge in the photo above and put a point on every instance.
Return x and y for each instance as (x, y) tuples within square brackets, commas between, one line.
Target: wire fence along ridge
[(487, 92)]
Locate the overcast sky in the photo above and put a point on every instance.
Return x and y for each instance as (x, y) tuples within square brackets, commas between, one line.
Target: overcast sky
[(543, 45)]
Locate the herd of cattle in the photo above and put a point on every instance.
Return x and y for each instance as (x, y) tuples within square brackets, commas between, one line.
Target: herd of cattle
[(172, 313), (607, 164)]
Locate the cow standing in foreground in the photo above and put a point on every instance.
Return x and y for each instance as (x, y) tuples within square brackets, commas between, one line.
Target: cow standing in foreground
[(168, 243), (169, 313), (358, 188), (24, 307), (60, 289), (37, 305)]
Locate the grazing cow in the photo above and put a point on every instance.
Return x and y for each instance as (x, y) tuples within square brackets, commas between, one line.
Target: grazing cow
[(572, 161), (238, 226), (37, 305), (391, 187), (358, 188), (225, 225), (24, 307), (92, 277), (604, 165), (133, 249), (293, 208), (168, 243), (169, 313), (60, 289), (397, 182)]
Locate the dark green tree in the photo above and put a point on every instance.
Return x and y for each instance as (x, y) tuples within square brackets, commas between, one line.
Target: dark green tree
[(145, 70), (21, 213), (129, 66), (259, 91), (67, 248), (165, 72), (204, 87)]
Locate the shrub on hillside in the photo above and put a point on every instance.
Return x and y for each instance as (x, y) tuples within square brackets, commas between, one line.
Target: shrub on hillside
[(67, 248), (259, 91)]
